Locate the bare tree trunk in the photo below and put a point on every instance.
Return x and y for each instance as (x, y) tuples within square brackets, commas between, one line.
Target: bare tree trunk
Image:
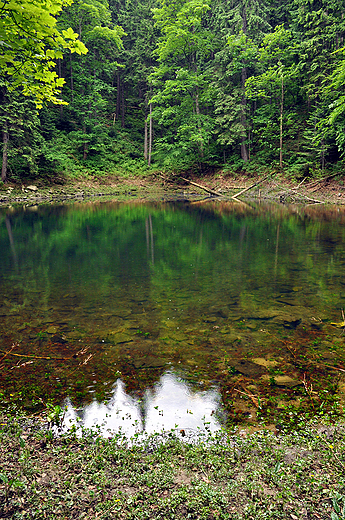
[(60, 76), (85, 146), (249, 143), (145, 133), (197, 109), (5, 139), (118, 95), (71, 65), (123, 106), (150, 136), (244, 20), (281, 126), (323, 162), (244, 150)]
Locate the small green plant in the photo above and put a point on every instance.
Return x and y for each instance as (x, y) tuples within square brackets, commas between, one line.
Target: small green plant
[(142, 333), (24, 455), (339, 509), (9, 483), (55, 415), (276, 371)]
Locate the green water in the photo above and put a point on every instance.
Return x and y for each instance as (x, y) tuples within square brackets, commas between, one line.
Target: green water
[(227, 297)]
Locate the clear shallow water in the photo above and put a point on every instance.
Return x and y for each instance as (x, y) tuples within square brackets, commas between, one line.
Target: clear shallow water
[(112, 301)]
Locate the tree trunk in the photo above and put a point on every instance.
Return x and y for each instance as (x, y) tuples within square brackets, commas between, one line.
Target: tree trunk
[(323, 162), (118, 95), (145, 133), (281, 126), (197, 109), (5, 139), (123, 106), (244, 149), (150, 136), (85, 146), (60, 76), (71, 65)]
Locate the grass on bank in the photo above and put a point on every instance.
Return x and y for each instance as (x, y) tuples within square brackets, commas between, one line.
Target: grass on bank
[(299, 475)]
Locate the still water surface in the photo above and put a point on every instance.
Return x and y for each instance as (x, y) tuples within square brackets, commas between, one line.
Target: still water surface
[(171, 314)]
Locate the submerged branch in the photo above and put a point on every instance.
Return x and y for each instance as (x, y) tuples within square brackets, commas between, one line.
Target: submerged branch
[(9, 352), (294, 193)]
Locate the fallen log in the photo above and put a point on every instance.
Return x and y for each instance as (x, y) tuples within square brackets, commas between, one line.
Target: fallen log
[(212, 192), (313, 184), (250, 187)]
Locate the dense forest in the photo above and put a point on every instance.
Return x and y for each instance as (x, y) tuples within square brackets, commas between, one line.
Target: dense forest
[(129, 86)]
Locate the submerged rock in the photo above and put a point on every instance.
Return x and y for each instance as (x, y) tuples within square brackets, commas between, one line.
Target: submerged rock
[(289, 321), (177, 336), (248, 368), (223, 312), (251, 326), (266, 314), (52, 329), (209, 319), (123, 312), (282, 380), (267, 363), (149, 362), (119, 337), (58, 339)]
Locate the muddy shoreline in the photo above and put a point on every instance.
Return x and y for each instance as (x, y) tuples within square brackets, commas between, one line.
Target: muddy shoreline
[(225, 187)]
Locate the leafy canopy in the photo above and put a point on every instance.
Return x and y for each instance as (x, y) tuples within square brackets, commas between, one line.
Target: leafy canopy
[(30, 43)]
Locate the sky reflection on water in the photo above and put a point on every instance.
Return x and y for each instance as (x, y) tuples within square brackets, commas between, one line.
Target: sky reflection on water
[(170, 405)]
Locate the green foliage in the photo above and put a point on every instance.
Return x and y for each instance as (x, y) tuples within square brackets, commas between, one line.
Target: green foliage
[(339, 507), (227, 80), (55, 415), (230, 63), (181, 83), (31, 43), (19, 115)]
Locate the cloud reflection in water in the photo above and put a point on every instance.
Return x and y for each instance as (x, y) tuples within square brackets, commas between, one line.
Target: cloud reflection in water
[(171, 404)]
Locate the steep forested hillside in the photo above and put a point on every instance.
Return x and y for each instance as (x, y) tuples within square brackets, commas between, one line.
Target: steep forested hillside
[(171, 84)]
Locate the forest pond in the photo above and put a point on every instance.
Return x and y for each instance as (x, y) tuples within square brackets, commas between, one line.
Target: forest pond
[(185, 314)]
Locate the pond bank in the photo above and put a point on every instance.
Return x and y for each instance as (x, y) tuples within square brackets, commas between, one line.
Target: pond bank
[(260, 476), (325, 190)]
